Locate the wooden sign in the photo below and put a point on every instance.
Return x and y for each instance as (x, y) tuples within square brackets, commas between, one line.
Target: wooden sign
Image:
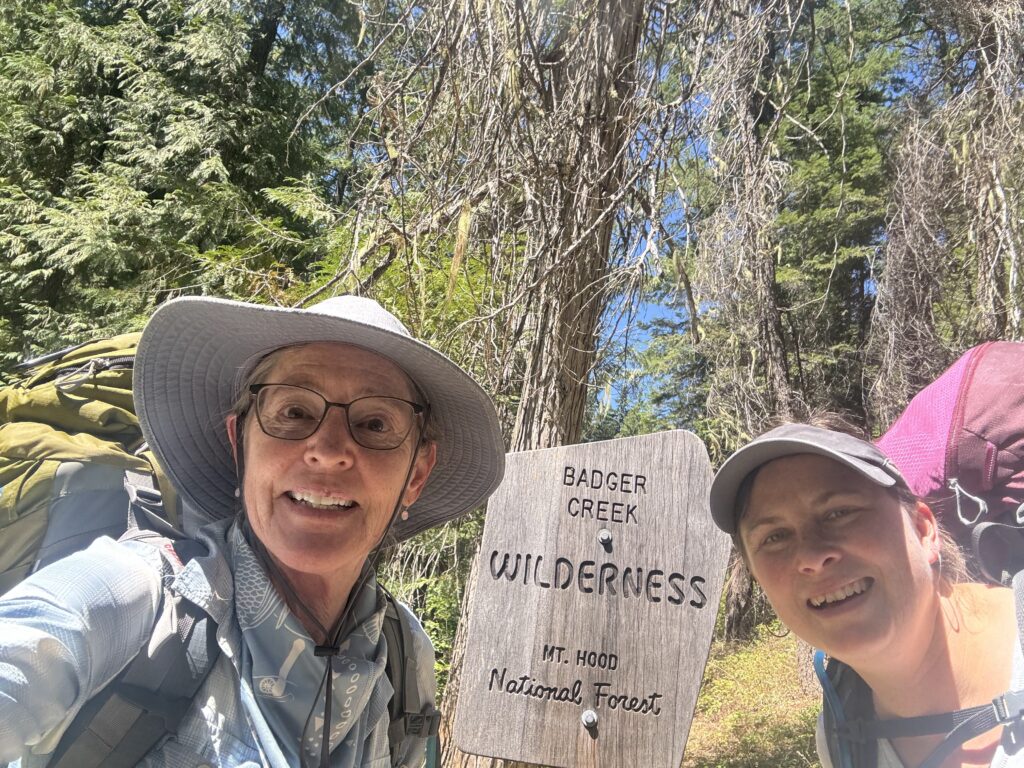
[(594, 605)]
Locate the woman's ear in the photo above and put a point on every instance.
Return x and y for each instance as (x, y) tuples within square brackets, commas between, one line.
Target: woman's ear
[(426, 457), (927, 530), (231, 424)]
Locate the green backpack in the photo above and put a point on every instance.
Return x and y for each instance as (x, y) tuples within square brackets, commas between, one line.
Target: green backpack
[(68, 434)]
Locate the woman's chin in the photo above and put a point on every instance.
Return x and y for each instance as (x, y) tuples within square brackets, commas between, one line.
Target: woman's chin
[(325, 556), (860, 647), (315, 553)]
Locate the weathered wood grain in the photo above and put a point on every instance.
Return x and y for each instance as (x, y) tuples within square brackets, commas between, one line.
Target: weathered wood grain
[(562, 623)]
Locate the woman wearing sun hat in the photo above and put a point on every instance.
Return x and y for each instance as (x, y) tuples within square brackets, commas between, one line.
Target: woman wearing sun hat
[(304, 440), (856, 565)]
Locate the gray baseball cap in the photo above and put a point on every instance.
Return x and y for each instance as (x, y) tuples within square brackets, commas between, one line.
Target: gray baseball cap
[(789, 440)]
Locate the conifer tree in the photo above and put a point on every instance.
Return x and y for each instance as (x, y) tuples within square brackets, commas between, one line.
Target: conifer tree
[(139, 142)]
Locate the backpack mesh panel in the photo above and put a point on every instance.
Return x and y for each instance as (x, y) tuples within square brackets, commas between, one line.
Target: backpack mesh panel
[(918, 440), (990, 449)]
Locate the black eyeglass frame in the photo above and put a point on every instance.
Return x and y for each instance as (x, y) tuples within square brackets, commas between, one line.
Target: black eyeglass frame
[(418, 409)]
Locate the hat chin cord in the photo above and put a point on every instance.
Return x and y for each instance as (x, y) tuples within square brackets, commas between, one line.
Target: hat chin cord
[(330, 649)]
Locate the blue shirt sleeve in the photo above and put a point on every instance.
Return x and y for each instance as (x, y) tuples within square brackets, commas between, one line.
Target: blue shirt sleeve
[(67, 631)]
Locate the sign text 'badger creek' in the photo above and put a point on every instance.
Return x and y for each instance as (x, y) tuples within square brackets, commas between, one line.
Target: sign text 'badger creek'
[(599, 579)]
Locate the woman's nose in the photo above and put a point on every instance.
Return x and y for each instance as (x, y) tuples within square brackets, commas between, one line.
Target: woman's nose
[(816, 553), (332, 442)]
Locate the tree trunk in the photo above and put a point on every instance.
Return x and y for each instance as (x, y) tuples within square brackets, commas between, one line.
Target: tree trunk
[(569, 251)]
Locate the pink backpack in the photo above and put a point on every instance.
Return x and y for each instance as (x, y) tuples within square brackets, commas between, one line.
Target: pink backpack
[(960, 441)]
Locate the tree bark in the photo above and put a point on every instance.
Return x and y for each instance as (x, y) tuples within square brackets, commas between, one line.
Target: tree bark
[(569, 251)]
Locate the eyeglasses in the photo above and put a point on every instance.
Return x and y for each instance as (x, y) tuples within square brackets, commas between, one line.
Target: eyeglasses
[(290, 412)]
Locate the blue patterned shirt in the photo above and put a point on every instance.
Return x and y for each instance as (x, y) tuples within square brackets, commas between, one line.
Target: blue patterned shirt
[(68, 630)]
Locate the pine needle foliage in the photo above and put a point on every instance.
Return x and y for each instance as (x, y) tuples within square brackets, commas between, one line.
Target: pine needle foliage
[(140, 141)]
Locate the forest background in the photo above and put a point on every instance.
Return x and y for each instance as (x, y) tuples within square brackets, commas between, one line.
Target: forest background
[(622, 216)]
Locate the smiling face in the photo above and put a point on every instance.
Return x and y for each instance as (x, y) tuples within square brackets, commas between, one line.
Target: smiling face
[(321, 504), (842, 563)]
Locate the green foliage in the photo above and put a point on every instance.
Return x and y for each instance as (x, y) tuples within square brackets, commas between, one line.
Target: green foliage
[(751, 711), (830, 119), (659, 382), (429, 573), (836, 137), (139, 142)]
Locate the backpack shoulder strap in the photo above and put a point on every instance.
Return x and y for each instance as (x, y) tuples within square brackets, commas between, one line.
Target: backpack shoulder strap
[(847, 734), (832, 714), (147, 507), (1006, 710), (410, 715), (158, 482), (846, 705), (147, 701), (999, 553)]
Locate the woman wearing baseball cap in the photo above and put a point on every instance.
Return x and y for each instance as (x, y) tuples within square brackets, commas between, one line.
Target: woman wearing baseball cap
[(302, 440), (855, 565)]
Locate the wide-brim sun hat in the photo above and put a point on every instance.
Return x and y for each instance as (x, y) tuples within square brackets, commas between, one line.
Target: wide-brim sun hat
[(196, 353), (789, 440)]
